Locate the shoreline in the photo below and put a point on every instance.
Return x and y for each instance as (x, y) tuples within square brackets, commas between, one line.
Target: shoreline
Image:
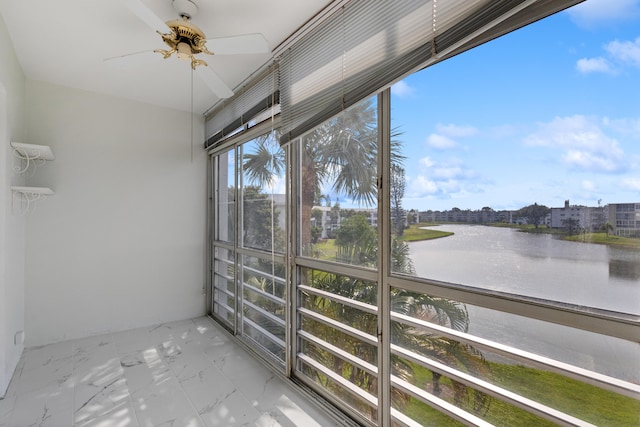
[(420, 232)]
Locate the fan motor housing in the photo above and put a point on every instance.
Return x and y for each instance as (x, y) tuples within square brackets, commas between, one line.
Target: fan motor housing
[(184, 31)]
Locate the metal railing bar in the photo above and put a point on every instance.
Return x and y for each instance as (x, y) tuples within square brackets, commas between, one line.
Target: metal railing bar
[(265, 274), (272, 317), (224, 291), (571, 371), (439, 404), (368, 308), (338, 352), (619, 325), (222, 275), (339, 379), (223, 244), (267, 256), (264, 332), (224, 307), (340, 269), (270, 297), (403, 420), (492, 390), (355, 333)]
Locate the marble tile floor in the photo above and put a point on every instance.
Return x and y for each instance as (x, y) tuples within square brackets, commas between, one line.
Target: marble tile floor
[(180, 374)]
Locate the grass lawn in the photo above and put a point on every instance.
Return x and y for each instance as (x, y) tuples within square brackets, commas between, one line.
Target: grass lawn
[(415, 233), (603, 239), (583, 401), (600, 238), (325, 250)]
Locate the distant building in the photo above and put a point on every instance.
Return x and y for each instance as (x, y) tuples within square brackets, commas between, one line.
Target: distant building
[(482, 216), (625, 219), (588, 218), (329, 224)]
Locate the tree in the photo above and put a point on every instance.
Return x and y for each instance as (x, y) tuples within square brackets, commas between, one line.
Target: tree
[(397, 185), (316, 227), (260, 221), (357, 241), (571, 226), (534, 214), (424, 307)]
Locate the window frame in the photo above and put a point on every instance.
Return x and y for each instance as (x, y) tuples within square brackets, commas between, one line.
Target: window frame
[(609, 323)]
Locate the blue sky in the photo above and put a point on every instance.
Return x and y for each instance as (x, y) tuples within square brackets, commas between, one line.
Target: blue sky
[(547, 113)]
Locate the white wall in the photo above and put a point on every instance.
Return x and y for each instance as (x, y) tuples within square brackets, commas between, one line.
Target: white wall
[(12, 227), (121, 243)]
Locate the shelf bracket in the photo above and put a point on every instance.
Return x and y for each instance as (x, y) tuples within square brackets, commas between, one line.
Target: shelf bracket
[(30, 195), (30, 154)]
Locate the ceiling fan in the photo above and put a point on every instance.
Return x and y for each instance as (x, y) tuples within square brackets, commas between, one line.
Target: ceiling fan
[(186, 40)]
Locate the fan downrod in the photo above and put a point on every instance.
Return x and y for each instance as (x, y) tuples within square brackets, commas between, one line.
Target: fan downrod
[(185, 8)]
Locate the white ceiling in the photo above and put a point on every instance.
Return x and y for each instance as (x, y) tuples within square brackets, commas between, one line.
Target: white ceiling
[(66, 42)]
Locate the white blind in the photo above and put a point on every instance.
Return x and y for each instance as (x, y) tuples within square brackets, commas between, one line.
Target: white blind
[(368, 44), (239, 109)]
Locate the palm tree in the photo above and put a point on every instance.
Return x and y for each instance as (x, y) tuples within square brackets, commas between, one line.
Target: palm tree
[(342, 150), (608, 228), (437, 310)]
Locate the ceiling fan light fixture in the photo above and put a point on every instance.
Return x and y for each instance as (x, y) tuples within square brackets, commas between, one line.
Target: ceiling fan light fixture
[(183, 51)]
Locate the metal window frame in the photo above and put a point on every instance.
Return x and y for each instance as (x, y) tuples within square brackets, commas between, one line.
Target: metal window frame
[(618, 325)]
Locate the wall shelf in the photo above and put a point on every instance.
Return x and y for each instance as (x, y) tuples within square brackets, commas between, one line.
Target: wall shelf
[(29, 195), (31, 154)]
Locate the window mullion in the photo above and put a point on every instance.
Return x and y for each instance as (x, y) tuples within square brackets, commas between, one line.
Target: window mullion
[(384, 257)]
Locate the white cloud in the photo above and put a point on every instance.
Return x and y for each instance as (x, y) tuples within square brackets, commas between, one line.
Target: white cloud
[(427, 162), (630, 128), (593, 65), (455, 131), (440, 142), (452, 172), (632, 184), (627, 52), (584, 144), (597, 12), (620, 54), (588, 185), (445, 136), (447, 173), (591, 161), (421, 186), (402, 89), (441, 180)]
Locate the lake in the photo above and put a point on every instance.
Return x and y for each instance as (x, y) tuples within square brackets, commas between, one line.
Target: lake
[(542, 266)]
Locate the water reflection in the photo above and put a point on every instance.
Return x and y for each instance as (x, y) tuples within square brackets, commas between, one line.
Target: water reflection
[(624, 269), (536, 265), (542, 266)]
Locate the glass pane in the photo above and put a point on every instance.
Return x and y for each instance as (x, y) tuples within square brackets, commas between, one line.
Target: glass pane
[(606, 355), (264, 308), (224, 176), (338, 191), (337, 332), (520, 168), (263, 194)]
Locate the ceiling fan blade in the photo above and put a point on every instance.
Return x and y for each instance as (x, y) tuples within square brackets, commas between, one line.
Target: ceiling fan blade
[(238, 45), (214, 82), (145, 53), (146, 15)]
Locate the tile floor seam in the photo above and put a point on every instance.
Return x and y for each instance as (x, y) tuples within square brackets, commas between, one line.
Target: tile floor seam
[(184, 392), (119, 356), (73, 386)]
